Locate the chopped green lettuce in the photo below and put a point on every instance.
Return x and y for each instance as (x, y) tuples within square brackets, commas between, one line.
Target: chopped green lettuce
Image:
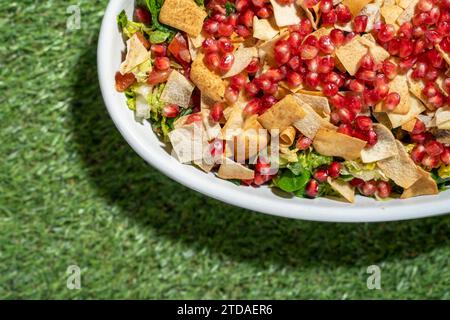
[(158, 36), (290, 182), (200, 3), (229, 8), (141, 71), (364, 171), (154, 6), (129, 28), (130, 95)]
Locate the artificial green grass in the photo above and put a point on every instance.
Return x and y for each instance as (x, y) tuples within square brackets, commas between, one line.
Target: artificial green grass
[(73, 192)]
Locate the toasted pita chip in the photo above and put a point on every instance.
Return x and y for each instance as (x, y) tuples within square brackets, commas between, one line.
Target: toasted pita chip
[(350, 54), (136, 54), (415, 108), (178, 90), (385, 147), (233, 170), (318, 103), (285, 15), (400, 168), (443, 54), (343, 188), (263, 29), (409, 126), (242, 57), (424, 186), (400, 85), (311, 122), (331, 143), (287, 137), (407, 15), (401, 3), (252, 140), (378, 53), (442, 117), (312, 14), (184, 15), (282, 114), (391, 13), (212, 128), (233, 126), (266, 49), (209, 83), (416, 87), (188, 142), (197, 41), (356, 6)]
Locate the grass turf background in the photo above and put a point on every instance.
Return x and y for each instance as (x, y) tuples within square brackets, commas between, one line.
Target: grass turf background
[(73, 192)]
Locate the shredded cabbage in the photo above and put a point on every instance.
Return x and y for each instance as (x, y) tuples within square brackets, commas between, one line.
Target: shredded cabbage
[(364, 171)]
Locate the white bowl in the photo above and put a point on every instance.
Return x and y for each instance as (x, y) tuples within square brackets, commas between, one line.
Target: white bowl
[(149, 147)]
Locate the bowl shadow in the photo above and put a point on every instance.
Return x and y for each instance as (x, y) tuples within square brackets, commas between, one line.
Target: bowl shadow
[(171, 210)]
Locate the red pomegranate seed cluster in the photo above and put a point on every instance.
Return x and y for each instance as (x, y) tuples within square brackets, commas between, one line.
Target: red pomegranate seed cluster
[(370, 188)]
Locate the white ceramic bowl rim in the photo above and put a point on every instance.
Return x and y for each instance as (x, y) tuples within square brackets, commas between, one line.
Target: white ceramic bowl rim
[(146, 144)]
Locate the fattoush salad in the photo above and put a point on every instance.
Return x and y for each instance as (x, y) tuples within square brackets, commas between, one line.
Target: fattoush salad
[(356, 93)]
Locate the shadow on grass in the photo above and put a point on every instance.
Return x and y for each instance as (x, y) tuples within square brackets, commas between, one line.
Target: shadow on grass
[(171, 210)]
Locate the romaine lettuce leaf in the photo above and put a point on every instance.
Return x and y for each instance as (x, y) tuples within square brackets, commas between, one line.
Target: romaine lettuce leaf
[(364, 171), (154, 6), (129, 27)]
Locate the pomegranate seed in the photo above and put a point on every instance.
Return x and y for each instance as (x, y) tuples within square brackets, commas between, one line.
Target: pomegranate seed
[(345, 128), (343, 14), (263, 13), (337, 36), (311, 40), (420, 18), (330, 89), (372, 137), (433, 36), (368, 188), (349, 37), (142, 15), (420, 70), (294, 79), (356, 86), (329, 18), (155, 77), (225, 45), (252, 107), (253, 66), (243, 31), (231, 94), (171, 111), (393, 47), (406, 48), (417, 153), (392, 100), (346, 115), (225, 29), (195, 117), (406, 64), (263, 83), (303, 143), (435, 58), (338, 101), (294, 63), (326, 6), (267, 101), (434, 148), (238, 81), (326, 64), (386, 33), (158, 50), (216, 112), (406, 30), (226, 62), (210, 26), (434, 15), (310, 3), (447, 85), (425, 5), (232, 19), (356, 182), (313, 64), (312, 189), (251, 89), (260, 179), (321, 175), (240, 5), (360, 23), (325, 44), (445, 156), (212, 60), (437, 101), (383, 189), (308, 52), (210, 45), (430, 90), (354, 103), (246, 18), (334, 170), (366, 75), (418, 31), (419, 127), (363, 123), (430, 161), (162, 63), (443, 27), (367, 62), (312, 79), (282, 52), (219, 17)]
